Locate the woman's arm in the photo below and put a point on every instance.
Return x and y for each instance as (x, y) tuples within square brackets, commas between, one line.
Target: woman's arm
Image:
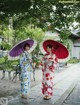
[(30, 58), (53, 58)]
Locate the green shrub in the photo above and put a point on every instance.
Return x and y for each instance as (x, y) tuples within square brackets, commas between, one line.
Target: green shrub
[(2, 60), (5, 64), (74, 60)]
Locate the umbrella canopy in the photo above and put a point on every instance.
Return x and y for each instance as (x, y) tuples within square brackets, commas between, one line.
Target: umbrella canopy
[(18, 49), (13, 58), (59, 49)]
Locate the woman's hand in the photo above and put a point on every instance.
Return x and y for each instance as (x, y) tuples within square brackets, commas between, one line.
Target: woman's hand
[(24, 63), (30, 60)]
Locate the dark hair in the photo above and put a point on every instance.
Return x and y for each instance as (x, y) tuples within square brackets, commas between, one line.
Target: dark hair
[(49, 46), (26, 45)]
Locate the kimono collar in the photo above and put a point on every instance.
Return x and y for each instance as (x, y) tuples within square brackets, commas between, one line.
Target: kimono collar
[(26, 52), (50, 54)]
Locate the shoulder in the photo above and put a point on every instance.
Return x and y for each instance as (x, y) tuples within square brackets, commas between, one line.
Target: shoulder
[(54, 55)]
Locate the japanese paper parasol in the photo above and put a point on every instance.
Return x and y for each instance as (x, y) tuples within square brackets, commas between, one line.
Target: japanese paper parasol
[(57, 48), (18, 48)]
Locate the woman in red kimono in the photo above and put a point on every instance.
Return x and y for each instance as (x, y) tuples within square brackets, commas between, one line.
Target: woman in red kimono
[(48, 64)]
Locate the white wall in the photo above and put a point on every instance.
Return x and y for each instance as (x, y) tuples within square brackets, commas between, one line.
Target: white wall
[(76, 50)]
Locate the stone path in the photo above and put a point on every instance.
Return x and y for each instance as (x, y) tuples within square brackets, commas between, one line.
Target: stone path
[(64, 83)]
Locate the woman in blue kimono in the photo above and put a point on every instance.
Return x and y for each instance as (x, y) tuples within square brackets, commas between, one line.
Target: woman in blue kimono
[(26, 68)]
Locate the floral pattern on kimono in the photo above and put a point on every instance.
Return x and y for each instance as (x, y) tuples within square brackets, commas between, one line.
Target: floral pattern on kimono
[(26, 69), (48, 67)]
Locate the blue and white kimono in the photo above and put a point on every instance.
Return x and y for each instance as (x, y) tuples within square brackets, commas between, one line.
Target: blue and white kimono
[(26, 69)]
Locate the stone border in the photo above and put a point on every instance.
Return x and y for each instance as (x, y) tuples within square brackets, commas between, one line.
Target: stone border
[(66, 94)]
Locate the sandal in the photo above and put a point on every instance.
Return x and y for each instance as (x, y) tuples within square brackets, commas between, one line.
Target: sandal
[(25, 97), (47, 97)]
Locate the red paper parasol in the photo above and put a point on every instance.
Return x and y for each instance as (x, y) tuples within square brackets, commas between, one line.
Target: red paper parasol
[(59, 49)]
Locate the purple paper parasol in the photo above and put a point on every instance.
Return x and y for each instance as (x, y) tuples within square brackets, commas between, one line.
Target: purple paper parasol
[(18, 49)]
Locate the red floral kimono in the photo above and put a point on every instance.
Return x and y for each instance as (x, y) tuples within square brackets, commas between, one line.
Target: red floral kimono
[(48, 67)]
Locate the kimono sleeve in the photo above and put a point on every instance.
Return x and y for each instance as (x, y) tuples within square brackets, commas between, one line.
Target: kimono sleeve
[(55, 61), (30, 57)]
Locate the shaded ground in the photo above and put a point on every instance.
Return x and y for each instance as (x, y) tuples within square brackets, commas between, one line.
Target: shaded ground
[(10, 88)]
